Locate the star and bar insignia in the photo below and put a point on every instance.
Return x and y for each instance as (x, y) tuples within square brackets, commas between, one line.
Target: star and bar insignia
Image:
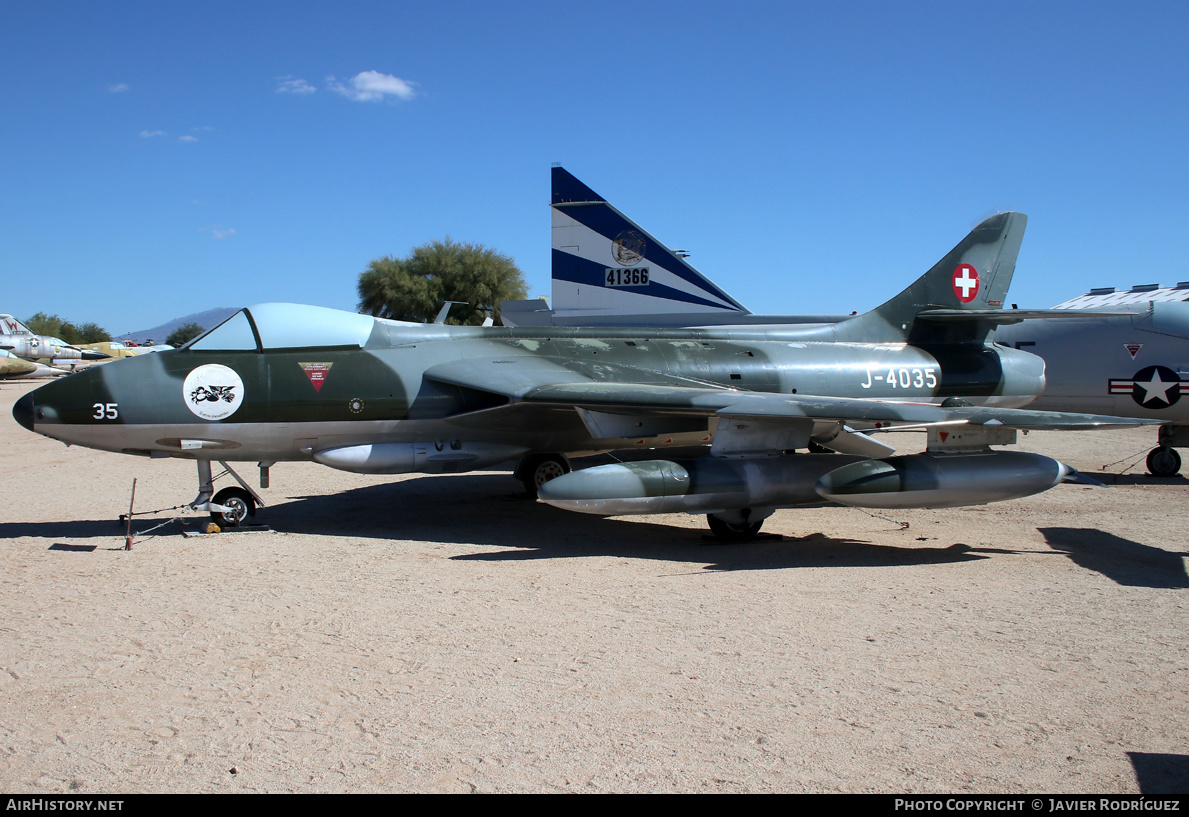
[(1153, 387)]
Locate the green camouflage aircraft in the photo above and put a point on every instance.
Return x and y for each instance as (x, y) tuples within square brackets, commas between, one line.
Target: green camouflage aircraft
[(283, 382), (13, 366)]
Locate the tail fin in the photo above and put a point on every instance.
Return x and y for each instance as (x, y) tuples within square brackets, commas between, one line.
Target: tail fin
[(957, 299), (605, 264), (11, 326)]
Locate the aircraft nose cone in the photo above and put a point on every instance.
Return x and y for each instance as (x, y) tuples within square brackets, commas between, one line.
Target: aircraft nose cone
[(22, 412)]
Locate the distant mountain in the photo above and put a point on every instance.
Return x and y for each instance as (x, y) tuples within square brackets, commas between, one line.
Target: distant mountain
[(158, 334)]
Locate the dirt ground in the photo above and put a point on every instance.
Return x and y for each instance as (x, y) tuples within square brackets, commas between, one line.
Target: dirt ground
[(443, 634)]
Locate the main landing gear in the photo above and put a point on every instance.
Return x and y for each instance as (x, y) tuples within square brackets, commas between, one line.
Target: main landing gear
[(232, 507), (742, 525), (537, 469), (1163, 460)]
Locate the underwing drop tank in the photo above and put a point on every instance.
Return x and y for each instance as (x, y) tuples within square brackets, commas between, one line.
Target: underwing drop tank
[(407, 458), (714, 484), (942, 480), (692, 486)]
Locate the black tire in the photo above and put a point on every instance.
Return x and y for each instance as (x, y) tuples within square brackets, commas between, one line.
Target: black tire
[(538, 469), (1164, 462), (243, 508), (726, 531)]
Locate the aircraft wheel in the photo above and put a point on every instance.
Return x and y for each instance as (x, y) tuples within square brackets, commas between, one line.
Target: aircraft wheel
[(1164, 462), (536, 470), (733, 531), (243, 508)]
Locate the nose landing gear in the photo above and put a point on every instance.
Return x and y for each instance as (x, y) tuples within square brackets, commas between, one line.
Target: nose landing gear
[(230, 508), (241, 508)]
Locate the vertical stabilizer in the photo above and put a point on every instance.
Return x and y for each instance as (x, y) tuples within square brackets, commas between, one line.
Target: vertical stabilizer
[(606, 264), (972, 277), (11, 326)]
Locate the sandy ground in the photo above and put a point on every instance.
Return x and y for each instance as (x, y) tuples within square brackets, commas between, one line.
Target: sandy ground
[(442, 634)]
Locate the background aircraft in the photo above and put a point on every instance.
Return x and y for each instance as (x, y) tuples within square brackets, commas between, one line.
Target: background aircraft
[(1131, 365), (117, 350), (15, 337), (280, 382), (1127, 360), (12, 366)]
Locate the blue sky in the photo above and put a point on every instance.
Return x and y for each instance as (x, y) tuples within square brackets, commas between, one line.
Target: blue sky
[(163, 158)]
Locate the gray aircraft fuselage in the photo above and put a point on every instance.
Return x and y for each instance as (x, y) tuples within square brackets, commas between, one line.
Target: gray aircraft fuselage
[(1093, 362)]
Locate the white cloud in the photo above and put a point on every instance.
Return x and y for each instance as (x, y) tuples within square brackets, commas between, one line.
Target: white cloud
[(372, 86), (290, 85), (219, 231), (187, 137), (117, 87)]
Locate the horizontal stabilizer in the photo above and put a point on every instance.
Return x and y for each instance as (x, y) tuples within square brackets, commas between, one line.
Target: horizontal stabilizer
[(1001, 317)]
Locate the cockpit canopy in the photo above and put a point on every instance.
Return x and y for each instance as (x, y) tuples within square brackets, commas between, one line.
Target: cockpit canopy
[(285, 326)]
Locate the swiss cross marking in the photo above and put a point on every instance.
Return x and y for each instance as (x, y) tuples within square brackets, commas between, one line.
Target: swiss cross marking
[(965, 282)]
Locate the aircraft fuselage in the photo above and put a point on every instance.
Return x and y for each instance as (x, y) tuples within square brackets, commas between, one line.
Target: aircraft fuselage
[(1129, 366), (275, 404)]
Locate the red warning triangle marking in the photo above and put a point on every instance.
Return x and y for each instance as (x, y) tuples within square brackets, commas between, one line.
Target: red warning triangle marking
[(1133, 349), (317, 373)]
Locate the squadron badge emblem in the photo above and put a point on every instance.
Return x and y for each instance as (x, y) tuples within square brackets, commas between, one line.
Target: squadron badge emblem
[(213, 391), (629, 248)]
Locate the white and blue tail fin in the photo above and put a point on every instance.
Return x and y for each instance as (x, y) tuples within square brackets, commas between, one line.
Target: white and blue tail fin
[(605, 264)]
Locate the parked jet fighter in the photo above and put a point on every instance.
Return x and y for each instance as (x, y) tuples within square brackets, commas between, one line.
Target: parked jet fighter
[(1128, 361), (281, 382), (23, 343), (1134, 364), (12, 366)]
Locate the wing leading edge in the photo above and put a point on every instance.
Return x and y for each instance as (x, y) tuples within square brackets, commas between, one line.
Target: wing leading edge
[(732, 403)]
